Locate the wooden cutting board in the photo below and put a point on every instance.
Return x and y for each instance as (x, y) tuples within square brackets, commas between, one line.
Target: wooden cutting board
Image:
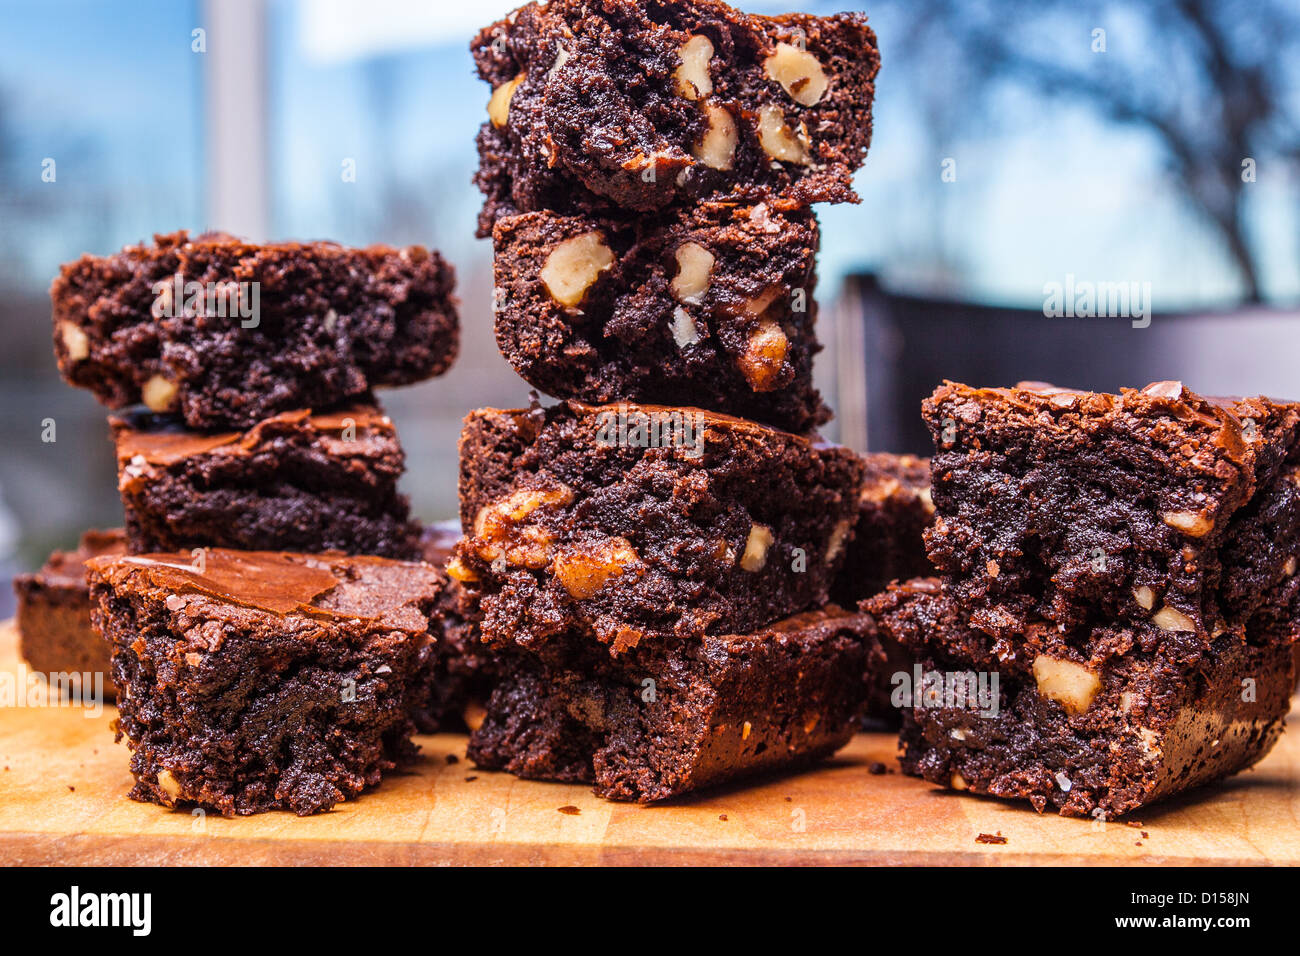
[(63, 801)]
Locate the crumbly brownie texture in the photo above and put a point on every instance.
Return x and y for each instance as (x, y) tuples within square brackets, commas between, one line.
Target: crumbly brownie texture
[(460, 674), (1084, 509), (265, 680), (573, 525), (658, 723), (1137, 715), (54, 631), (599, 104), (293, 482), (893, 510), (710, 307), (330, 324)]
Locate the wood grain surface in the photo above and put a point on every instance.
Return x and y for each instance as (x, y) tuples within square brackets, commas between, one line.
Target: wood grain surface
[(63, 801)]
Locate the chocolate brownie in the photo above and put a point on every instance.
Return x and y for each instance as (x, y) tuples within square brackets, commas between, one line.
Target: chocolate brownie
[(642, 104), (659, 722), (460, 672), (54, 631), (295, 482), (630, 522), (711, 306), (1097, 724), (264, 680), (229, 333), (1085, 509), (894, 508)]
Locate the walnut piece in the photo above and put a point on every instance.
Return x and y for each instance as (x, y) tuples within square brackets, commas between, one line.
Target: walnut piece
[(694, 266), (799, 73), (159, 393), (756, 545), (1145, 597), (574, 265), (684, 330), (169, 784), (1171, 619), (585, 569), (717, 148), (499, 105), (692, 76), (457, 569), (1071, 685), (1191, 523), (499, 532), (839, 534), (74, 340), (764, 356), (780, 141)]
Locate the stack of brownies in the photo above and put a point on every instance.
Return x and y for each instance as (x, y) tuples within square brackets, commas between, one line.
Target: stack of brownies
[(653, 556), (1125, 567), (271, 625)]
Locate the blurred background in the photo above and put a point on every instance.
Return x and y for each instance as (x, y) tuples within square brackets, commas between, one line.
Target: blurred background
[(1020, 147)]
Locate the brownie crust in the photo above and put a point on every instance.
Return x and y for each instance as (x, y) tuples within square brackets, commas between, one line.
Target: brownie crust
[(657, 723), (711, 307), (264, 680), (55, 635), (579, 521), (605, 104), (1154, 505), (331, 323), (295, 482)]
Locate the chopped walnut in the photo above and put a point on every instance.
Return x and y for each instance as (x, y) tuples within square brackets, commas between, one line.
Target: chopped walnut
[(500, 535), (74, 340), (1071, 685), (756, 546), (781, 142), (574, 265), (499, 105), (717, 148), (799, 73), (1191, 523), (584, 569), (764, 356), (159, 393), (694, 266), (692, 76)]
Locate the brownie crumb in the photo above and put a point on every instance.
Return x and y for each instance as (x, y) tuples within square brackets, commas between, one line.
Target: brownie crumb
[(471, 778), (995, 839), (570, 811), (451, 759), (877, 768), (722, 817)]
